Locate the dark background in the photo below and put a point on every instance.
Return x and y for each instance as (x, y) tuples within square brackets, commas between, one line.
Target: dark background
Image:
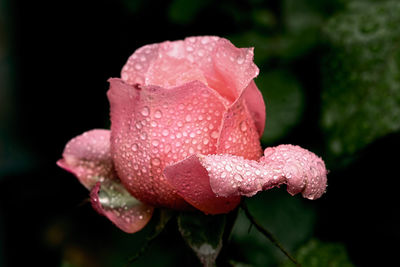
[(56, 57)]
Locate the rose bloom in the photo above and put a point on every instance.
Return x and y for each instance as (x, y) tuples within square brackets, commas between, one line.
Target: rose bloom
[(186, 118)]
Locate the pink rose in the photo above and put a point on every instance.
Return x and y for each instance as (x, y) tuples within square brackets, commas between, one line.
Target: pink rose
[(186, 119)]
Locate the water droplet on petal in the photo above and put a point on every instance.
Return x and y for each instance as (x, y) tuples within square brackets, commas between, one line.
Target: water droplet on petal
[(214, 134), (158, 114), (134, 147), (188, 118), (156, 161), (155, 142), (238, 177), (145, 111), (143, 136), (243, 126), (165, 132)]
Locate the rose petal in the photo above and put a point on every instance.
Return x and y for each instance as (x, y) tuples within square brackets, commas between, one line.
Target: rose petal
[(238, 134), (256, 106), (212, 60), (135, 69), (235, 65), (112, 200), (301, 170), (153, 127), (192, 183), (88, 157)]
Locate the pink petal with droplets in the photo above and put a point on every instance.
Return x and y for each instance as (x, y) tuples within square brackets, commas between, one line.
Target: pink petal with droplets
[(135, 69), (238, 133), (301, 170), (113, 201), (235, 66), (192, 182), (88, 157), (256, 106), (153, 127)]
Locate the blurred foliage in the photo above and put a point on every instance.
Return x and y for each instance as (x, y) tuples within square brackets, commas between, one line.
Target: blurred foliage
[(284, 100), (290, 220), (316, 254), (361, 78)]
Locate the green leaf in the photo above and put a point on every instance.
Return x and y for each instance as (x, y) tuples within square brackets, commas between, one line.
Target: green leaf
[(284, 100), (290, 219), (316, 254), (183, 12), (361, 76), (203, 233)]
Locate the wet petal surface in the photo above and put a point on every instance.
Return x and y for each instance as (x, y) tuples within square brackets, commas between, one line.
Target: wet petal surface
[(238, 134), (153, 127), (88, 157), (301, 170), (112, 200), (192, 182)]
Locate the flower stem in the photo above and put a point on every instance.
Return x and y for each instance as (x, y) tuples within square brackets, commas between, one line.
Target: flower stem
[(267, 233)]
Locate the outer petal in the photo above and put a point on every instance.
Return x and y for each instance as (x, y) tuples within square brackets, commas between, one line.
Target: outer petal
[(192, 182), (88, 157), (235, 66), (135, 69), (238, 133), (112, 200), (153, 127), (256, 106), (300, 169)]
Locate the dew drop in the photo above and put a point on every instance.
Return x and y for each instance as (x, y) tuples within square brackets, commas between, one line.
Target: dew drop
[(238, 177), (188, 118), (158, 114), (228, 168), (138, 125), (156, 161), (165, 132), (214, 134), (205, 141), (167, 148), (240, 60), (243, 126), (145, 111), (134, 147), (155, 142), (223, 174), (143, 136)]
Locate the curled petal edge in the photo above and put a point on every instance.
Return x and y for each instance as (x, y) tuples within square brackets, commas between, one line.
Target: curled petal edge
[(301, 170)]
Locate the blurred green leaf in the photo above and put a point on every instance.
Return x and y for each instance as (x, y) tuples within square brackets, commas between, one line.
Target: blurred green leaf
[(184, 12), (316, 254), (361, 76), (284, 102), (203, 233), (288, 218)]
